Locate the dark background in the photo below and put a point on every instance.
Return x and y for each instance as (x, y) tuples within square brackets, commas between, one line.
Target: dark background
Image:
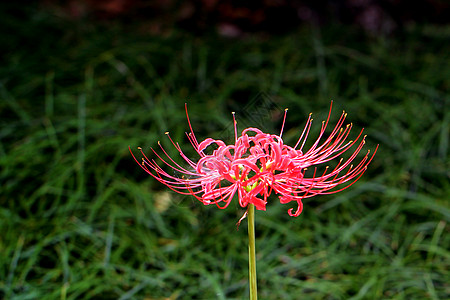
[(81, 81)]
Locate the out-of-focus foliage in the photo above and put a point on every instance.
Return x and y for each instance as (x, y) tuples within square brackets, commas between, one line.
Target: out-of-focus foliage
[(80, 220), (234, 18)]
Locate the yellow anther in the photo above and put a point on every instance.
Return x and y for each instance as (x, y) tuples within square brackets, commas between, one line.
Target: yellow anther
[(233, 113), (345, 115), (364, 136), (139, 148), (159, 143), (166, 132), (286, 109)]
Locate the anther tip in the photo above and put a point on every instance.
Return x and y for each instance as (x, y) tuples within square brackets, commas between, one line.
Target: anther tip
[(139, 148), (233, 113), (167, 133), (286, 109)]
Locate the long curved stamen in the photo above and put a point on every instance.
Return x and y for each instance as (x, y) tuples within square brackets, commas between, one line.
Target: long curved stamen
[(235, 126), (284, 121)]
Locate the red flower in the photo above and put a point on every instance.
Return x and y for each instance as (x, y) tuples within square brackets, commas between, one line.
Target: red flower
[(258, 164)]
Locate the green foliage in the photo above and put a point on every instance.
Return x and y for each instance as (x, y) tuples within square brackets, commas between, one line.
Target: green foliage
[(81, 220)]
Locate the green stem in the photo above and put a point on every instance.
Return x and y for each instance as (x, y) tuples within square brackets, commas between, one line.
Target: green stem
[(251, 252)]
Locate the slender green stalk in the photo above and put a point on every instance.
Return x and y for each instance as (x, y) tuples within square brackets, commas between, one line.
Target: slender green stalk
[(251, 252)]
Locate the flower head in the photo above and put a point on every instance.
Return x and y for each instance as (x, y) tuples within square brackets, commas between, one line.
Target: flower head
[(259, 164)]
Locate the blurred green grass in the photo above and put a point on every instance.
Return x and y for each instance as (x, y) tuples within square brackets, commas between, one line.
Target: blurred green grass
[(80, 220)]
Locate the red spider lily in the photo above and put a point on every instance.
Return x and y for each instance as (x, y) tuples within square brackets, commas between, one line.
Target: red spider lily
[(258, 164)]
